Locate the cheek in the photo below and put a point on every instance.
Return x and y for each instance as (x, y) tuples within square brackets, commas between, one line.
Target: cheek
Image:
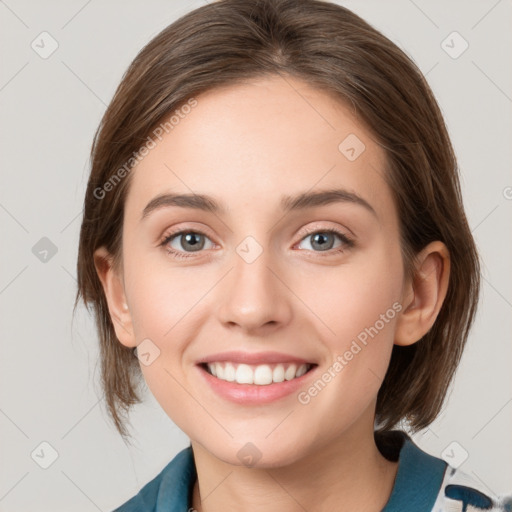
[(162, 298), (164, 306), (349, 299), (358, 306), (361, 317)]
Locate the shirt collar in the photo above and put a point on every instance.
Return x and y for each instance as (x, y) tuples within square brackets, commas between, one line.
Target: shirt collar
[(418, 479), (417, 482), (175, 494)]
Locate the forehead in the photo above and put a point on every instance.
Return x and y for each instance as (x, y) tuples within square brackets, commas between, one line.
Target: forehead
[(254, 142)]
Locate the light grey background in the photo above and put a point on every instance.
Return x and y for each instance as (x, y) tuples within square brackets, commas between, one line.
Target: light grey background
[(49, 110)]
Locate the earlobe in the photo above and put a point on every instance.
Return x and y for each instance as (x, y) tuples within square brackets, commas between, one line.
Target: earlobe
[(424, 294), (113, 288)]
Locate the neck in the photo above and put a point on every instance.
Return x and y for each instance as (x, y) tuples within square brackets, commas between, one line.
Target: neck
[(349, 474)]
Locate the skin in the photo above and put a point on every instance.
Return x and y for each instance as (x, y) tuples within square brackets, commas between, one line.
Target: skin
[(246, 145)]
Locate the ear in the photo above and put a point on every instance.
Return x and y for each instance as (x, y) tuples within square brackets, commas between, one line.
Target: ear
[(424, 294), (113, 286)]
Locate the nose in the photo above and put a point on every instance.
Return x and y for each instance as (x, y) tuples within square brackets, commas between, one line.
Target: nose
[(254, 296)]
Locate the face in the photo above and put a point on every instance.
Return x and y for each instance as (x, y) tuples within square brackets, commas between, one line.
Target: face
[(281, 284)]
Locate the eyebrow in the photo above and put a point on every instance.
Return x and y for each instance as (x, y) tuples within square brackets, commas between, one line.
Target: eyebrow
[(301, 201)]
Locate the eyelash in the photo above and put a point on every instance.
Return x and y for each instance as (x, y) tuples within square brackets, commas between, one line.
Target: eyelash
[(348, 242)]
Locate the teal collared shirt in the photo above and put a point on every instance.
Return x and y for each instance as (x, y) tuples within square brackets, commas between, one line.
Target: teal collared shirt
[(423, 483)]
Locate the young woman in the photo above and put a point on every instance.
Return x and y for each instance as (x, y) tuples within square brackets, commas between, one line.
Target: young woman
[(273, 226)]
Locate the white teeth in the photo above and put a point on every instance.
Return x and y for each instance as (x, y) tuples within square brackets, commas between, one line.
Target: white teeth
[(290, 372), (301, 370), (278, 373), (229, 372), (260, 375), (244, 374)]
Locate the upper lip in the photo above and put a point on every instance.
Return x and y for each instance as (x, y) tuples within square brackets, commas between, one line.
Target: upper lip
[(253, 358)]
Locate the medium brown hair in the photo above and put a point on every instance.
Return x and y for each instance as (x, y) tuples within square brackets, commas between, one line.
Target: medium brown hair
[(334, 50)]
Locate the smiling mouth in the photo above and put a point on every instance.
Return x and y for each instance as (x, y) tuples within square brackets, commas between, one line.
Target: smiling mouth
[(259, 375)]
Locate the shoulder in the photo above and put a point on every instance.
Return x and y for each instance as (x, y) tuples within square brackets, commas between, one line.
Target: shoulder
[(425, 483), (461, 489), (170, 488)]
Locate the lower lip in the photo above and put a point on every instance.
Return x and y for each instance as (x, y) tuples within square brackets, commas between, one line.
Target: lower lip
[(252, 393)]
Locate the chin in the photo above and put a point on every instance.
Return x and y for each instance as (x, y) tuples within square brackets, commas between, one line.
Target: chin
[(259, 453)]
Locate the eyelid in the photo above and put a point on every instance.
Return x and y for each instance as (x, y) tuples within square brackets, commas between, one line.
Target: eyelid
[(308, 230), (176, 230), (348, 241), (326, 226)]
